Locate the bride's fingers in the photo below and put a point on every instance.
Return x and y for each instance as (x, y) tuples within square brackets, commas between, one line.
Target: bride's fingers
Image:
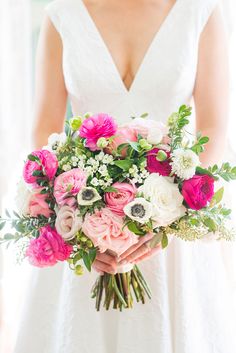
[(147, 255), (141, 251), (134, 247), (106, 258), (96, 268), (103, 267)]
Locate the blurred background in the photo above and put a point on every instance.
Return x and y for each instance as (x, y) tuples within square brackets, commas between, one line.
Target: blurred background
[(20, 22)]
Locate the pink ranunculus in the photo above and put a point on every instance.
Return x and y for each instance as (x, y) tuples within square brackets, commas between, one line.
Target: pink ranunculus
[(38, 205), (48, 166), (198, 191), (123, 135), (155, 166), (146, 127), (106, 231), (116, 201), (67, 185), (96, 126), (48, 248)]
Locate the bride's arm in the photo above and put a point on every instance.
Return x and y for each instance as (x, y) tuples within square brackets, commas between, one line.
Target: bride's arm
[(211, 94), (50, 91)]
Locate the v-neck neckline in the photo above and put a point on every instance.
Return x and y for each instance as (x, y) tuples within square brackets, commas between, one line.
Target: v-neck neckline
[(157, 35)]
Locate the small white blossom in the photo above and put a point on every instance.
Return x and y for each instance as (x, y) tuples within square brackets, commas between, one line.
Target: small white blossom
[(103, 170), (100, 156), (139, 210), (66, 167), (89, 170), (95, 182), (184, 163), (107, 159)]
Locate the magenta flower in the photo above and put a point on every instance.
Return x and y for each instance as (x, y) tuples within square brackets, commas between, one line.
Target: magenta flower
[(198, 191), (48, 248), (96, 126), (67, 185), (48, 165), (155, 166)]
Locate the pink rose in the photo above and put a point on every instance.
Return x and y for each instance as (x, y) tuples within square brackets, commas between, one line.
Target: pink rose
[(198, 191), (96, 126), (152, 130), (48, 248), (67, 185), (48, 165), (38, 205), (116, 201), (105, 229), (155, 166), (123, 135)]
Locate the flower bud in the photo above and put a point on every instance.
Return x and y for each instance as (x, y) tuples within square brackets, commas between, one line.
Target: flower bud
[(144, 144), (83, 239), (79, 270), (75, 123), (161, 156), (102, 142), (87, 115), (89, 244)]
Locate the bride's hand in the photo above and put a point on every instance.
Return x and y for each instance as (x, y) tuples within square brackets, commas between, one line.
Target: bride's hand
[(139, 252), (105, 262)]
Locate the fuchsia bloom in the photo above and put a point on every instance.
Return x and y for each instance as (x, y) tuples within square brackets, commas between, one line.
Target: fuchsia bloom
[(38, 205), (67, 185), (198, 191), (155, 166), (48, 248), (96, 126), (107, 231), (116, 201), (48, 166)]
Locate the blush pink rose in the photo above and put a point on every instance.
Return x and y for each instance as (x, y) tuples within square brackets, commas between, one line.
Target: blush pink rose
[(38, 205), (116, 201), (198, 191), (105, 229), (96, 126), (123, 135), (146, 127), (48, 248), (48, 166), (155, 166), (67, 185)]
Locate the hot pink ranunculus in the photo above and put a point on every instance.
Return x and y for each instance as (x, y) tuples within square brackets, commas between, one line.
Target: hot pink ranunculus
[(123, 135), (116, 201), (155, 166), (48, 248), (48, 166), (67, 185), (106, 231), (198, 191), (96, 126), (38, 205)]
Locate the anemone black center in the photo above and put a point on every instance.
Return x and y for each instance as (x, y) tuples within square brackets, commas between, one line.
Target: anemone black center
[(138, 210), (87, 195)]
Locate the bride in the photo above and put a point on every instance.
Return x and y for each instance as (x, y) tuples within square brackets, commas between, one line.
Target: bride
[(126, 58)]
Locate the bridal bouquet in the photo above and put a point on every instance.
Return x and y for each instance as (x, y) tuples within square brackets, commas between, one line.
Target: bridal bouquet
[(100, 187)]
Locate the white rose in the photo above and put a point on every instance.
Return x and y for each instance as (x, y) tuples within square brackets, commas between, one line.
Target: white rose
[(165, 197), (68, 222), (22, 198), (55, 140)]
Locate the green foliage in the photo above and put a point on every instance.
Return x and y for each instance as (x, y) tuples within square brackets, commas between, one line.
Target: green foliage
[(225, 171), (136, 229), (177, 123), (198, 146)]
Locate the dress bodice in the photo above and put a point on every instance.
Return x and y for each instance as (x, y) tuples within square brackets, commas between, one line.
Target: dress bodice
[(165, 79)]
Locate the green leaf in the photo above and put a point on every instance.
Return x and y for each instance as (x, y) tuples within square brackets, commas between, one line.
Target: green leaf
[(134, 228), (2, 225), (92, 255), (203, 171), (33, 158), (164, 241), (37, 173), (144, 115), (121, 147), (203, 140), (9, 236), (124, 164), (110, 189), (210, 224), (157, 238), (225, 212), (44, 191), (7, 214), (218, 196), (16, 214), (194, 222), (87, 261), (76, 258), (135, 146)]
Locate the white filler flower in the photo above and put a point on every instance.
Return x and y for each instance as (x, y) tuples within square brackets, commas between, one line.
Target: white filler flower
[(87, 196), (166, 200), (184, 163), (139, 210)]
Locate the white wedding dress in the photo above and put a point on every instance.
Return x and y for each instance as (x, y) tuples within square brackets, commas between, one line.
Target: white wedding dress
[(192, 308)]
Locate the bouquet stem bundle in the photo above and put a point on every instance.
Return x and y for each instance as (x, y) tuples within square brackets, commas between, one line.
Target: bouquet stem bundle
[(119, 289)]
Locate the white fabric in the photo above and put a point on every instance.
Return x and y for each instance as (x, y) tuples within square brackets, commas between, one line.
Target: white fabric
[(191, 310)]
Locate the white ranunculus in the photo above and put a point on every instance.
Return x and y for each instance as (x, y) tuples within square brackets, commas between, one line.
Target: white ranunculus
[(68, 222), (166, 200), (139, 210), (22, 198), (87, 196), (184, 163), (155, 136)]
